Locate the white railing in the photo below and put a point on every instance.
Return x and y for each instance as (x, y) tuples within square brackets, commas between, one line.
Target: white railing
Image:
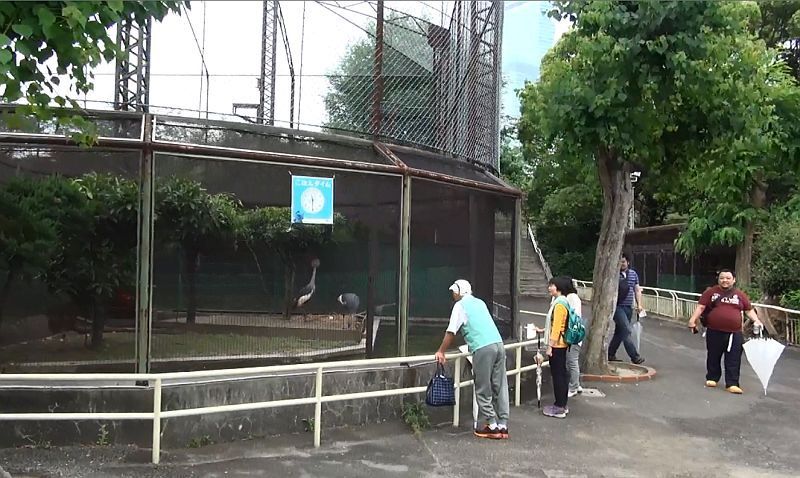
[(317, 400), (680, 305), (545, 266)]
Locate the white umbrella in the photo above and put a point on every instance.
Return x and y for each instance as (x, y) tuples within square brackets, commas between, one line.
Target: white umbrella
[(763, 353), (531, 330)]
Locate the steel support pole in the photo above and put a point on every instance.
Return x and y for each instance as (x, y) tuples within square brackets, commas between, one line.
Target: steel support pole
[(144, 262), (318, 408), (516, 231), (377, 73), (405, 255), (156, 446)]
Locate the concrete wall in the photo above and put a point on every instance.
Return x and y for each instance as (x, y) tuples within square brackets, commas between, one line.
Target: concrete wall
[(178, 432)]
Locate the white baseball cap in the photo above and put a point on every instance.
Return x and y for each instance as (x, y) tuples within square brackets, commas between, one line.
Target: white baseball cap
[(461, 287)]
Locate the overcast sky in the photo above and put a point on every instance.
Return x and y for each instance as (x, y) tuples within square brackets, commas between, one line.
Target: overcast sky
[(229, 34)]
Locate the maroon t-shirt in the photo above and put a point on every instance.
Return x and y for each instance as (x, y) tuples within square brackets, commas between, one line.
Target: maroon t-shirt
[(726, 316)]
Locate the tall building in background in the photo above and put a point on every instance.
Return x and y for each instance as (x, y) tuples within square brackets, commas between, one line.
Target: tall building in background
[(527, 35)]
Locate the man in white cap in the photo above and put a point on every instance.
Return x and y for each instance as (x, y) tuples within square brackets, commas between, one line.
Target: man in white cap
[(472, 317)]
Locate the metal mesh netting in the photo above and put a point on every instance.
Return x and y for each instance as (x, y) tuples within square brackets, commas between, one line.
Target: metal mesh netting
[(437, 84), (68, 242), (433, 80), (456, 233), (221, 299)]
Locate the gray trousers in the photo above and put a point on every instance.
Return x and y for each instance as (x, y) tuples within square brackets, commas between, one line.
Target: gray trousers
[(491, 384), (573, 353)]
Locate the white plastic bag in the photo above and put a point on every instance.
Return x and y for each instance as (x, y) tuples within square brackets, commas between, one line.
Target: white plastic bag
[(636, 335)]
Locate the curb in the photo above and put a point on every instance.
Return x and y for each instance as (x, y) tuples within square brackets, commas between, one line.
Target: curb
[(646, 374)]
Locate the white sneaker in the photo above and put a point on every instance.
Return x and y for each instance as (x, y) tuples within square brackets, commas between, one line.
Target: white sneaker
[(572, 393)]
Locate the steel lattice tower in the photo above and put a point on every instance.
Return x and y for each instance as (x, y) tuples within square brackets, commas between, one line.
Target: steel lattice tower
[(132, 72), (266, 84)]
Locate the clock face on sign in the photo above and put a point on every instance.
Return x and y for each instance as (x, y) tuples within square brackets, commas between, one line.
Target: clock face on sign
[(312, 200)]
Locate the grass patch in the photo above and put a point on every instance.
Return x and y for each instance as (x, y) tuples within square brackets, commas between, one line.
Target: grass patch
[(118, 346)]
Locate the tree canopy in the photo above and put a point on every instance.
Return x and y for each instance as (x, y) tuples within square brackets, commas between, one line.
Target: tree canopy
[(407, 72), (42, 43), (662, 86)]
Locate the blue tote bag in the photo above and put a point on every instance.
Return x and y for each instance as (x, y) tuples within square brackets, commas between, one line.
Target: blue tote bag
[(440, 391)]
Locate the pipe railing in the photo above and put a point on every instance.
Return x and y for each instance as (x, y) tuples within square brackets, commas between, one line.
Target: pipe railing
[(545, 266), (319, 369), (678, 304)]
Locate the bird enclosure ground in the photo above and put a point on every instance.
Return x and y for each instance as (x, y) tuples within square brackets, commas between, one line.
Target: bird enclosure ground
[(119, 346), (260, 319)]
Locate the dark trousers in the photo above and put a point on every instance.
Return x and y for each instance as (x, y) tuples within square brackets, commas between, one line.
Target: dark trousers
[(717, 346), (558, 370), (622, 333)]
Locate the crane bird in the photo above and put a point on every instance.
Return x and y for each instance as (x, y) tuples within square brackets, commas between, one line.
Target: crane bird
[(305, 293), (350, 303)]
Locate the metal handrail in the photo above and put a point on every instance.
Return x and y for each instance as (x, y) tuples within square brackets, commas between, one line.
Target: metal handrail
[(670, 303), (317, 399), (545, 266)]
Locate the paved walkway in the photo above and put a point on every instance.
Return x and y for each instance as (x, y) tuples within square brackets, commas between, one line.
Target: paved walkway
[(670, 427)]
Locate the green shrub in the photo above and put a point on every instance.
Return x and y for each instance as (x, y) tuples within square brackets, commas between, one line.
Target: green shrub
[(778, 258), (416, 416), (753, 292), (791, 299)]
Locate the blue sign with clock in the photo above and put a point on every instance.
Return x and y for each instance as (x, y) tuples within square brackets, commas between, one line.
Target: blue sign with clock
[(312, 200)]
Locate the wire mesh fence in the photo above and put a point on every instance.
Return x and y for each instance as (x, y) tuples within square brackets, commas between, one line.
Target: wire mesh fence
[(424, 73), (228, 268)]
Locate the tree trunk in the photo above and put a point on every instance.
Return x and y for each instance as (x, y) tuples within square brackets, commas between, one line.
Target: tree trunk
[(190, 266), (615, 182), (98, 324), (6, 291), (744, 251), (288, 279)]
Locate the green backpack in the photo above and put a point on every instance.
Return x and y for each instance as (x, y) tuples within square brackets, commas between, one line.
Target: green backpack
[(574, 330)]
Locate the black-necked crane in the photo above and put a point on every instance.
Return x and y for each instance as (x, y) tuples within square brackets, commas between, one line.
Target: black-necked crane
[(305, 293)]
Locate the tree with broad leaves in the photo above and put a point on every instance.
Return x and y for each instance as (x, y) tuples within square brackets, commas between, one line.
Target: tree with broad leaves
[(96, 217), (44, 43), (28, 237), (198, 223), (649, 84), (730, 202), (407, 73), (779, 27), (268, 230)]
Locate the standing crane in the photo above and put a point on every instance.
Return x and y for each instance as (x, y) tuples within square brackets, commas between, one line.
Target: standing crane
[(349, 302), (305, 293)]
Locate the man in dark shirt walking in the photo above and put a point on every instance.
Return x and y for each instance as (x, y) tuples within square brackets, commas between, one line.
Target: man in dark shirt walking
[(629, 291), (724, 329)]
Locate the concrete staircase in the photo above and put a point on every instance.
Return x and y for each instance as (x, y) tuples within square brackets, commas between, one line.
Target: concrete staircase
[(532, 276), (533, 279)]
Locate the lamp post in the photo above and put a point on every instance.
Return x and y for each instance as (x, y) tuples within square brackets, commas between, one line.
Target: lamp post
[(634, 179)]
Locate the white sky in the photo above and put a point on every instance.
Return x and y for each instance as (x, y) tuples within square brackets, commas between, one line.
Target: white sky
[(232, 37)]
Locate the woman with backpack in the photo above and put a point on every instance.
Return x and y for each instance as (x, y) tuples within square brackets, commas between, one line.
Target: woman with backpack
[(556, 346), (574, 351)]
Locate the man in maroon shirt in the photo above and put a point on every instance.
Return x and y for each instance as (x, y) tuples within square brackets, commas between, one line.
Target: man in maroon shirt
[(724, 329)]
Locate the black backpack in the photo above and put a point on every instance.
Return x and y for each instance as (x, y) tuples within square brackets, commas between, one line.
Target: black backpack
[(624, 287)]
